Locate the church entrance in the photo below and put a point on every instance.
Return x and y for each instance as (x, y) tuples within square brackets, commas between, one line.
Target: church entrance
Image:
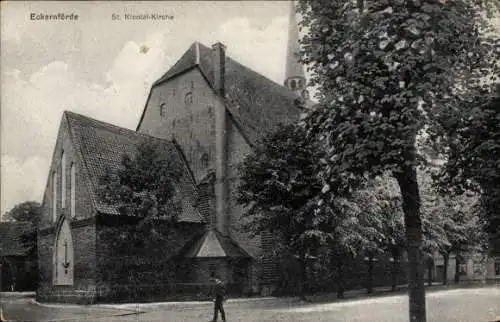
[(63, 255)]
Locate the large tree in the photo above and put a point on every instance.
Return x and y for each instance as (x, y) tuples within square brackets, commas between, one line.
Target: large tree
[(25, 211), (278, 186), (385, 202), (28, 211), (458, 225), (286, 199), (143, 186), (473, 156), (381, 69)]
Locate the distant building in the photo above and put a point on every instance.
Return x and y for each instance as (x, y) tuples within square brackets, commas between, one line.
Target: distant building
[(208, 111), (17, 263), (473, 267)]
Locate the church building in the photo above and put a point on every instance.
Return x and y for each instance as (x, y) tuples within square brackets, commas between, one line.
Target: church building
[(207, 111)]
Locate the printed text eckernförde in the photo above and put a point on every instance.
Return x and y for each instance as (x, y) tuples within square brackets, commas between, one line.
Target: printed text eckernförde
[(53, 16), (148, 16)]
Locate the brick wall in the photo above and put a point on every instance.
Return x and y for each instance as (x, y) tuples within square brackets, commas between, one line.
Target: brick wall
[(83, 268), (84, 207), (192, 125), (142, 272), (81, 226), (238, 148)]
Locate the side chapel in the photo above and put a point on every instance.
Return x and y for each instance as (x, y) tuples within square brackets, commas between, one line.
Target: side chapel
[(208, 111)]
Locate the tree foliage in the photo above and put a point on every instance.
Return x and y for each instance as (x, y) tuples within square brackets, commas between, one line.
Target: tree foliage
[(278, 185), (28, 211), (25, 211), (473, 154), (285, 198), (144, 186)]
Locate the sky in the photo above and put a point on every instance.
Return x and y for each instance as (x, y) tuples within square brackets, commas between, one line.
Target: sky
[(104, 68)]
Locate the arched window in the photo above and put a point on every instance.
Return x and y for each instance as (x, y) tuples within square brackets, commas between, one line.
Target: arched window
[(163, 110), (54, 196), (204, 160), (188, 99), (292, 84), (73, 190), (63, 256), (63, 180)]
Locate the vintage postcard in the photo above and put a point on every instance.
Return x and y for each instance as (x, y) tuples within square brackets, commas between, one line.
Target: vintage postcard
[(141, 179)]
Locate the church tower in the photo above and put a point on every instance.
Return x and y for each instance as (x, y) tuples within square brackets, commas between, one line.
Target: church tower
[(294, 76)]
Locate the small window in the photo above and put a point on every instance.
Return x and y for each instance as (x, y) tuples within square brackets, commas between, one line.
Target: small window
[(204, 160), (212, 269), (73, 190), (163, 110), (293, 84), (188, 99), (54, 196), (63, 180)]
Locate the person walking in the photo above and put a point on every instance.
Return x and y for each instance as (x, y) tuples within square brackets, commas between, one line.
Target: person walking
[(219, 293)]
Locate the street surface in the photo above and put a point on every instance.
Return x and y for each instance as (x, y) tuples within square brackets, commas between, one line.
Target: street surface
[(468, 305)]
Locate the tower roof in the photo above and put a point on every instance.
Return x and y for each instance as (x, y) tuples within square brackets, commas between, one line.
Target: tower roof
[(255, 103), (293, 67)]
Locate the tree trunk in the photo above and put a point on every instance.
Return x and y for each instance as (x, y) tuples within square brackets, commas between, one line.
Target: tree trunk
[(429, 271), (369, 285), (446, 259), (303, 277), (457, 267), (395, 272), (340, 276), (408, 184)]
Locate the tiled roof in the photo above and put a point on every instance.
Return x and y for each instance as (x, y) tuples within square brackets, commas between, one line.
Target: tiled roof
[(206, 197), (256, 103), (11, 243), (212, 244), (103, 145)]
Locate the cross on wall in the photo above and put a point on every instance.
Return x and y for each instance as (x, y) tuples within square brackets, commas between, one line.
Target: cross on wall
[(66, 263)]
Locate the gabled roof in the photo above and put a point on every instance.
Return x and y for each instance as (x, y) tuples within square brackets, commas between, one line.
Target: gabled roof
[(256, 103), (11, 237), (102, 147), (212, 244)]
